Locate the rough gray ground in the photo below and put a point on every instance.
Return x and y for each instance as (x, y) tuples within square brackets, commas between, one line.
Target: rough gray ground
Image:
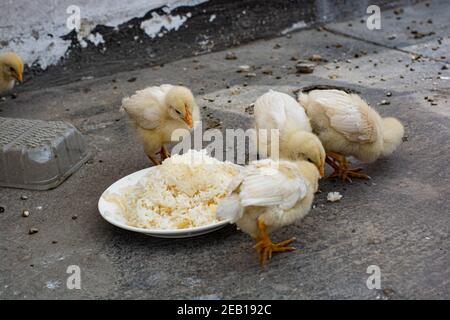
[(398, 221)]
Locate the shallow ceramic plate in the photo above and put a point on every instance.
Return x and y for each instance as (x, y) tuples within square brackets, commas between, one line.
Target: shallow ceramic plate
[(112, 213)]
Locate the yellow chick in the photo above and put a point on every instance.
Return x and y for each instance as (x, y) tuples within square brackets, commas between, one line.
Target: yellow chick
[(156, 112), (276, 110), (347, 126), (269, 195), (11, 70)]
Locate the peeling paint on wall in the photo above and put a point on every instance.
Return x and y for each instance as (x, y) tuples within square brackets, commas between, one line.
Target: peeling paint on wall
[(34, 29)]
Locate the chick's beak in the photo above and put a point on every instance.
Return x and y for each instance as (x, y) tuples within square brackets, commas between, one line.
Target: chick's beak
[(188, 119), (321, 169), (18, 76)]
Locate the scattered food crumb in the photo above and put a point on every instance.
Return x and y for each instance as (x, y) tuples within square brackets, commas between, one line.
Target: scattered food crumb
[(132, 79), (33, 231), (25, 213), (333, 76), (231, 56), (305, 67), (23, 197), (208, 99), (334, 196), (244, 68), (250, 109), (317, 58)]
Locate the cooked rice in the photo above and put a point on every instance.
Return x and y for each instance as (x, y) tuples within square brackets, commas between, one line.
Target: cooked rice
[(182, 192)]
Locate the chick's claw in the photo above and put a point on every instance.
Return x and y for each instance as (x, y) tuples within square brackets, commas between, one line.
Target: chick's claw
[(164, 153), (340, 165), (347, 174), (154, 161), (266, 247)]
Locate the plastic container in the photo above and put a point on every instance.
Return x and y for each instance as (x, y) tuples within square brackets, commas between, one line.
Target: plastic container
[(39, 155)]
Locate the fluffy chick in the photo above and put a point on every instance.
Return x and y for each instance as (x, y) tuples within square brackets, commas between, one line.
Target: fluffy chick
[(269, 195), (156, 112), (11, 70), (277, 110), (348, 126)]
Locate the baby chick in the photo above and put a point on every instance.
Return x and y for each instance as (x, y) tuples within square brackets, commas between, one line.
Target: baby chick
[(156, 112), (347, 126), (269, 195), (276, 110), (11, 70)]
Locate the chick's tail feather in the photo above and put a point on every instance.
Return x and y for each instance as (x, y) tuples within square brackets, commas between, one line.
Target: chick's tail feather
[(393, 133), (230, 208)]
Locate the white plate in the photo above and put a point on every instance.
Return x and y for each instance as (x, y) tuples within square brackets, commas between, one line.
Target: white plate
[(111, 213)]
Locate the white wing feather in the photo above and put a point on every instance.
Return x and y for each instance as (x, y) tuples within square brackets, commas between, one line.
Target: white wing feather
[(348, 114), (265, 185), (230, 208), (277, 110), (269, 111), (144, 107)]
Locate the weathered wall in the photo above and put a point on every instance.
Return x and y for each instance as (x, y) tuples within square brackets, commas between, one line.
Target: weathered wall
[(145, 32), (35, 28)]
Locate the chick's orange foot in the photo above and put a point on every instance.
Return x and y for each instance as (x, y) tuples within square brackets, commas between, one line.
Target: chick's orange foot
[(153, 160), (164, 153), (346, 174), (341, 170), (265, 247)]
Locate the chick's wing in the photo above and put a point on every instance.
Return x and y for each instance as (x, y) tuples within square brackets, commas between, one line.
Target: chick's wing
[(271, 186), (144, 107), (348, 114), (270, 111)]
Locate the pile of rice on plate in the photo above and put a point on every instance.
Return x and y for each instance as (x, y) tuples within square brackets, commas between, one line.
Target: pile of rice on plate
[(183, 192)]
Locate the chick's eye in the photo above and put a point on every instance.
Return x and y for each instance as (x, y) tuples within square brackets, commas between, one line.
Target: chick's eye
[(310, 160), (11, 69), (177, 111)]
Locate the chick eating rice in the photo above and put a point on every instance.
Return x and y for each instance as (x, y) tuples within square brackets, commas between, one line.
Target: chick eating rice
[(183, 192)]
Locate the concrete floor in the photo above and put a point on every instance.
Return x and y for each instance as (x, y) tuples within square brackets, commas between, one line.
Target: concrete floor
[(398, 221)]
